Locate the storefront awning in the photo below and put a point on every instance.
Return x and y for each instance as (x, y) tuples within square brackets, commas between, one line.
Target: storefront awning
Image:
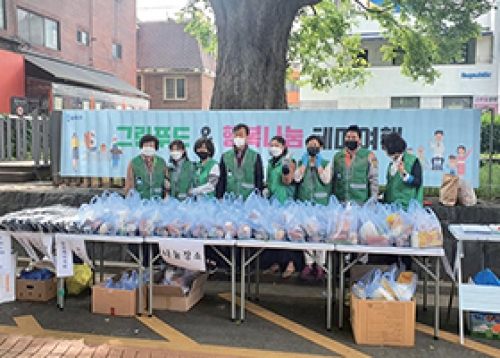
[(87, 76)]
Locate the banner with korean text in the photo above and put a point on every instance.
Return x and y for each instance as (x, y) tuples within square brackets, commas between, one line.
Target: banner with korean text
[(101, 143)]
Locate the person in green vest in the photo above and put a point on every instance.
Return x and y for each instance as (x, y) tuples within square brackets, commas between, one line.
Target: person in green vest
[(404, 174), (207, 171), (313, 176), (355, 170), (181, 171), (281, 186), (147, 172), (241, 170)]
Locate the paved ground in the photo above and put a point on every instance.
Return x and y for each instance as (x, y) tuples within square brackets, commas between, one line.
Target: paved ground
[(287, 321)]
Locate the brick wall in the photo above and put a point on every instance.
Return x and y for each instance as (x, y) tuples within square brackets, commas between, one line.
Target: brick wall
[(199, 91), (107, 21)]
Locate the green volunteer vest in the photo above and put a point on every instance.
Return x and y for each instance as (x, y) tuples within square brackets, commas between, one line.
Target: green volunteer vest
[(397, 190), (202, 173), (275, 183), (240, 180), (179, 187), (311, 188), (351, 183), (149, 184)]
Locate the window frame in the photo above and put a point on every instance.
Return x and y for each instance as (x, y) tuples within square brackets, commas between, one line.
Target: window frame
[(469, 98), (117, 50), (3, 17), (393, 99), (44, 27), (175, 98), (79, 33)]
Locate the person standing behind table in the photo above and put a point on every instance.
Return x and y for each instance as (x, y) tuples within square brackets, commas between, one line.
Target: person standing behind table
[(207, 171), (313, 176), (181, 171), (241, 170), (280, 185), (355, 170), (404, 174), (147, 172)]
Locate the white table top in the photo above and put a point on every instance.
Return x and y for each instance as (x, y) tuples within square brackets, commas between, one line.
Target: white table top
[(208, 242), (391, 250), (459, 234), (284, 245), (103, 238)]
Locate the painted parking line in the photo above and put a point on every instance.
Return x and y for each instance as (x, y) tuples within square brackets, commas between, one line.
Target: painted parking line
[(300, 330), (176, 341), (454, 338)]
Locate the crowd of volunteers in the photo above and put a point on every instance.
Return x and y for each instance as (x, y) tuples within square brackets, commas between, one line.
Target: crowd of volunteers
[(351, 175)]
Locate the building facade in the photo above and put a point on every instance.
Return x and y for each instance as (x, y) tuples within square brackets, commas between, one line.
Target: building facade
[(172, 68), (472, 82), (78, 44)]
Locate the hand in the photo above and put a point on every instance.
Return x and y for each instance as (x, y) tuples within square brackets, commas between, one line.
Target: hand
[(305, 159), (285, 169), (319, 159), (166, 183), (190, 192), (265, 193)]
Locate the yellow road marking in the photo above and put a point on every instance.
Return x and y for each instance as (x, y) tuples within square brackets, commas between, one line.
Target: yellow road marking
[(300, 330), (180, 345), (28, 324), (454, 338), (166, 331)]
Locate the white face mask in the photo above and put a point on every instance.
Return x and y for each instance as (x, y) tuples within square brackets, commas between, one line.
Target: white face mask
[(275, 151), (148, 151), (176, 155), (395, 164), (239, 142)]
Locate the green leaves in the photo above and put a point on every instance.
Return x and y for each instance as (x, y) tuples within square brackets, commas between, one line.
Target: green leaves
[(424, 33)]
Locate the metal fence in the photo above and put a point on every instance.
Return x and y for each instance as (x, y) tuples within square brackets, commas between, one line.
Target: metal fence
[(25, 139)]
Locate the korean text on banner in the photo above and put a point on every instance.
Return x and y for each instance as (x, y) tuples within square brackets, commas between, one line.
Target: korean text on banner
[(188, 254)]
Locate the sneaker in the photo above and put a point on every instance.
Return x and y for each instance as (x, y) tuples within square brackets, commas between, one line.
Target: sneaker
[(320, 273), (307, 273)]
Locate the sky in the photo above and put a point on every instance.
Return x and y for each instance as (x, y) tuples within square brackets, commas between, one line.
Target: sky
[(155, 10)]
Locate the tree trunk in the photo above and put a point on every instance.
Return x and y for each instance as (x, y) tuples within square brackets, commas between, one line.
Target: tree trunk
[(252, 48)]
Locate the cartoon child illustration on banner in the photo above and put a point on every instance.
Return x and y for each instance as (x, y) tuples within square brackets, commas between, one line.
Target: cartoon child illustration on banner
[(115, 152), (438, 147), (422, 159), (452, 164), (462, 155), (90, 141), (75, 143)]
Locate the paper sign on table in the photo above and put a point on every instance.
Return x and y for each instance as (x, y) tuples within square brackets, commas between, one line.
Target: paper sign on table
[(188, 254), (64, 259), (80, 250), (5, 254)]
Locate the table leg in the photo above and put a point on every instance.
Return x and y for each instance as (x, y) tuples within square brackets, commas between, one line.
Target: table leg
[(141, 259), (60, 293), (329, 292), (426, 263), (341, 291), (101, 263), (233, 282), (450, 301), (257, 277), (242, 283), (151, 281), (459, 279), (437, 301), (93, 262)]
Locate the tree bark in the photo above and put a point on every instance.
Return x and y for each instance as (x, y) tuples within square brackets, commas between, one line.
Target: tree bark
[(252, 48)]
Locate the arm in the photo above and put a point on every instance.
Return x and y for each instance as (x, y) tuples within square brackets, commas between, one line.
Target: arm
[(373, 175), (221, 184), (468, 153), (414, 178), (166, 182), (325, 175), (259, 173), (287, 179), (213, 179), (298, 175), (129, 179)]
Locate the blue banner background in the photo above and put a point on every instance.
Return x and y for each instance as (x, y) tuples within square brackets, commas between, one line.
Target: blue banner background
[(95, 158)]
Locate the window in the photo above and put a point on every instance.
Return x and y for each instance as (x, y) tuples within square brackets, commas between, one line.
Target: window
[(175, 88), (38, 30), (82, 37), (405, 102), (117, 50), (292, 87), (468, 54), (139, 82), (2, 14), (363, 55), (398, 60), (457, 102)]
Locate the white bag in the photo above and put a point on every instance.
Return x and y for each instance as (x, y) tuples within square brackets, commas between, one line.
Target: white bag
[(466, 193)]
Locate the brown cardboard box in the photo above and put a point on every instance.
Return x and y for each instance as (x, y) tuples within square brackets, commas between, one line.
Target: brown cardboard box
[(116, 302), (172, 298), (384, 323), (33, 290)]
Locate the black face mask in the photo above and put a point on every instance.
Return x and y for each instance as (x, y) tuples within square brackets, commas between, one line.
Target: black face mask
[(312, 151), (351, 144), (202, 155)]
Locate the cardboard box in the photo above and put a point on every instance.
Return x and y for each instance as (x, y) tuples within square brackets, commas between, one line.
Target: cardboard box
[(172, 298), (116, 302), (484, 325), (8, 281), (383, 323), (32, 290)]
